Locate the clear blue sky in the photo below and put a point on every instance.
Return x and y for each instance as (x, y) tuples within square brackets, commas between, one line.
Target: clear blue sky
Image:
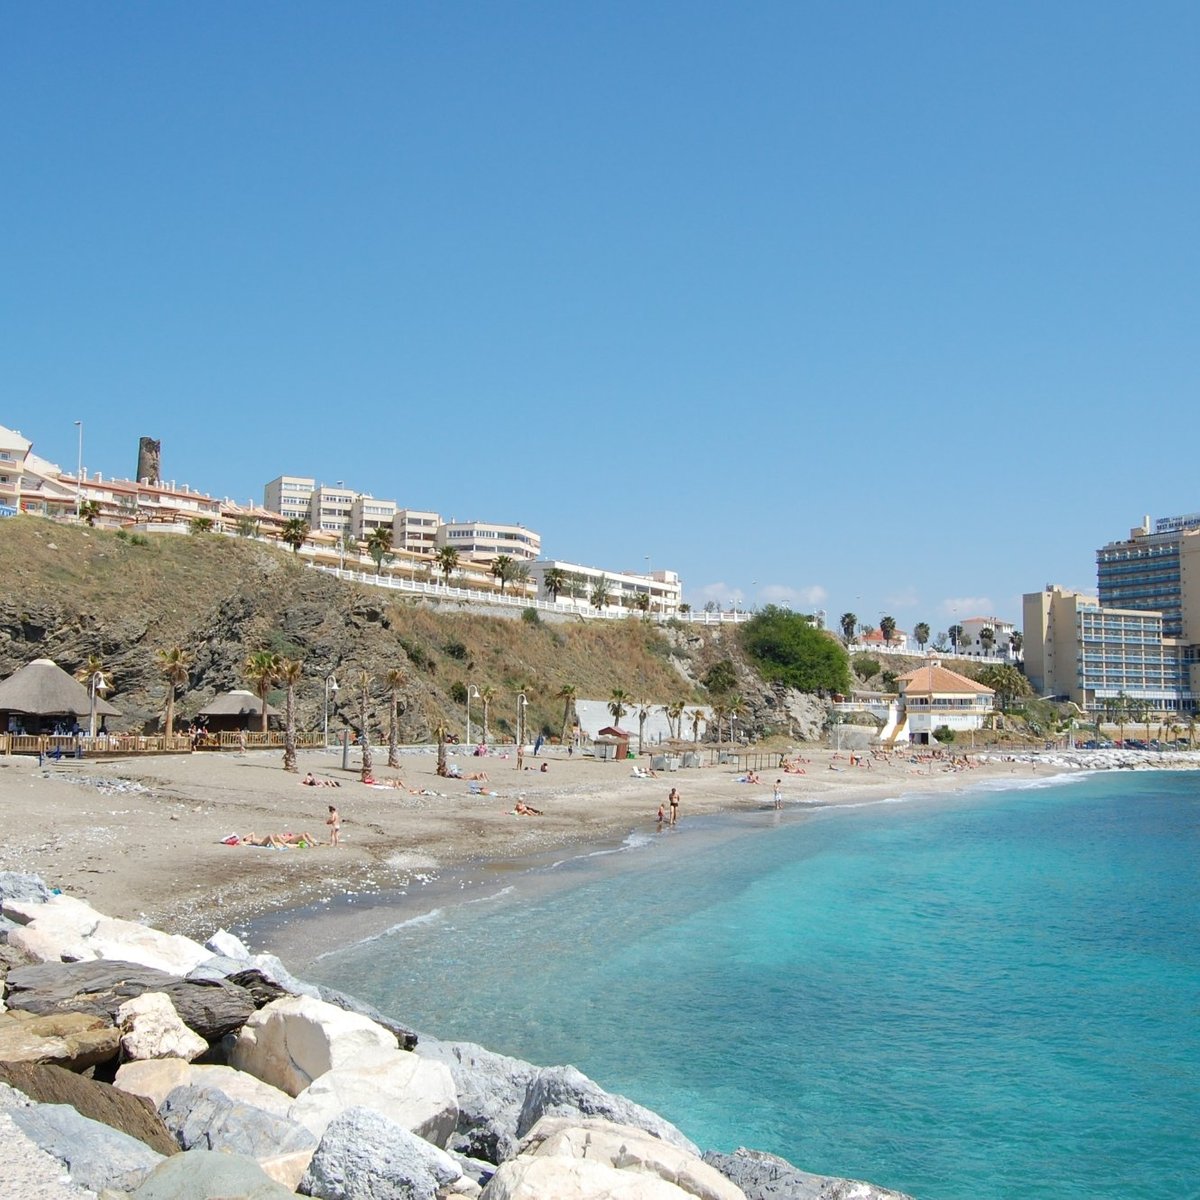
[(888, 307)]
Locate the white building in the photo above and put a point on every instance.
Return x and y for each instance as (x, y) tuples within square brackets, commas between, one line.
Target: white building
[(290, 496), (662, 588), (1002, 645), (932, 697), (368, 514), (485, 541), (414, 530), (14, 450)]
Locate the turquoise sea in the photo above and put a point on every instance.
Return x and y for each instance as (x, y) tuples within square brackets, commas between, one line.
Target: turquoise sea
[(990, 994)]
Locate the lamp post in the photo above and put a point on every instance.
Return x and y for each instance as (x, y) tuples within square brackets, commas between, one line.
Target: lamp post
[(521, 702), (331, 688), (97, 683), (470, 689), (79, 474)]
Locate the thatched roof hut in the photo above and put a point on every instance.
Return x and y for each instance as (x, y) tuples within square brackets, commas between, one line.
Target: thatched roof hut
[(42, 690), (234, 710)]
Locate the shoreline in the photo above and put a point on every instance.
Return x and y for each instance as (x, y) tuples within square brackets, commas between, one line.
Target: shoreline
[(141, 839)]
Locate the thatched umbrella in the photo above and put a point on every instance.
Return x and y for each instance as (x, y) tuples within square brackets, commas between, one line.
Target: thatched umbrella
[(233, 709), (43, 689)]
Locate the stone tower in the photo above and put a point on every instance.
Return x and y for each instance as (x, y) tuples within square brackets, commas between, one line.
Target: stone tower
[(149, 468)]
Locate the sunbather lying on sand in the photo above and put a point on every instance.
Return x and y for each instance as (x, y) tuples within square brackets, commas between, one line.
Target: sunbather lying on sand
[(281, 841), (523, 810), (310, 780)]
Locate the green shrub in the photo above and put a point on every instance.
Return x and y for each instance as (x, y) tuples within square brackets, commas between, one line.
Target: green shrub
[(531, 616), (944, 734), (456, 650), (458, 692)]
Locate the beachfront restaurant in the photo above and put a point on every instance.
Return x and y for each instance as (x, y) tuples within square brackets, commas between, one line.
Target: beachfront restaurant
[(932, 697), (42, 699)]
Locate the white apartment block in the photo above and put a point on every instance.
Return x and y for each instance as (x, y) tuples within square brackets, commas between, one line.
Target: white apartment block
[(14, 450), (330, 509), (485, 541), (1002, 645), (368, 514), (414, 530), (623, 588), (289, 496)]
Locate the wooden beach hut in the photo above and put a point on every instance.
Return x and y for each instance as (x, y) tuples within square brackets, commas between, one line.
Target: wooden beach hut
[(41, 696), (231, 711)]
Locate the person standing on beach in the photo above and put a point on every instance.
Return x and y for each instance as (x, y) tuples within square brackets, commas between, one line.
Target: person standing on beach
[(778, 794), (673, 801), (334, 821)]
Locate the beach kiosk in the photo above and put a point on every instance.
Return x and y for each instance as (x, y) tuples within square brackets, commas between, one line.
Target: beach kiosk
[(620, 737), (235, 710), (41, 698)]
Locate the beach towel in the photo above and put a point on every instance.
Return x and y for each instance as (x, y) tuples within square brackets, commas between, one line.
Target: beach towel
[(231, 839)]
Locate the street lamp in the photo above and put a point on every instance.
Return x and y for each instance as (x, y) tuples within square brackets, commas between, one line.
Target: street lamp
[(331, 688), (79, 474), (475, 690), (97, 683)]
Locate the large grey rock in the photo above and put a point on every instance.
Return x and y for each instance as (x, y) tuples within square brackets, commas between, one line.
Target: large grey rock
[(209, 1009), (15, 886), (397, 1166), (491, 1093), (205, 1118), (765, 1177), (208, 1175), (27, 1172), (566, 1092), (94, 1155)]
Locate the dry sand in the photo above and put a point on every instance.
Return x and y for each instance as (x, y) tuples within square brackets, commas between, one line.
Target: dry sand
[(141, 837)]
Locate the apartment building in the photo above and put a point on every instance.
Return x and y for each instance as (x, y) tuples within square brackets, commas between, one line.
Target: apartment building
[(662, 588), (368, 514), (414, 530), (1003, 634), (14, 450), (485, 541), (290, 496), (1157, 568)]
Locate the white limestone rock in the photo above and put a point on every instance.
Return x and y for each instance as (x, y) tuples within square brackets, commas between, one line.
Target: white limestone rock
[(127, 941), (413, 1092), (151, 1028), (294, 1040), (627, 1149), (156, 1080), (532, 1177), (54, 930), (227, 945)]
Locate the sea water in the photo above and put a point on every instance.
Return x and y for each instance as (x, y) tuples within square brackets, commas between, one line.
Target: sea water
[(994, 993)]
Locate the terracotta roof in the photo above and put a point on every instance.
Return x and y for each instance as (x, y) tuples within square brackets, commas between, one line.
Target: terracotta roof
[(937, 680)]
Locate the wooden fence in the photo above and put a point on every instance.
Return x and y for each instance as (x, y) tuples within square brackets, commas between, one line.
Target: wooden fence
[(124, 745)]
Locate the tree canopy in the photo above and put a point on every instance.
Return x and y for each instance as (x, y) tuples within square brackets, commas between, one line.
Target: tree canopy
[(786, 648)]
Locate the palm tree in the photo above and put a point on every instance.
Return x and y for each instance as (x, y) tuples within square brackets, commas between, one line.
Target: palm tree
[(600, 596), (618, 705), (502, 569), (987, 639), (379, 546), (261, 669), (89, 510), (289, 672), (866, 630), (643, 711), (566, 694), (247, 526), (364, 704), (955, 633), (554, 580), (442, 769), (487, 694), (520, 574), (641, 602), (697, 715), (720, 711), (447, 561), (174, 665), (294, 533), (887, 626), (848, 622), (675, 713), (685, 608), (921, 633), (735, 705), (1016, 641), (395, 679)]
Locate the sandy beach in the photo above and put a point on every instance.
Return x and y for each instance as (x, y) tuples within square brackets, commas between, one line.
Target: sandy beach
[(142, 838)]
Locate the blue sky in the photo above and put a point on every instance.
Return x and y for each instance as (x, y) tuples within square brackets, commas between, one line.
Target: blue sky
[(883, 307)]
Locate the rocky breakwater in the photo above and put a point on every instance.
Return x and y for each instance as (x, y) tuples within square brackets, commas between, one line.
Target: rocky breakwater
[(134, 1063)]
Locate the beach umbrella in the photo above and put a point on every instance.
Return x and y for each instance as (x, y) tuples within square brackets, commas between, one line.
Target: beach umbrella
[(44, 689)]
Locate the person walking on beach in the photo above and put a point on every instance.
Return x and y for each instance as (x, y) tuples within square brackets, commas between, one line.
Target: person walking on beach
[(334, 821), (778, 794), (673, 801)]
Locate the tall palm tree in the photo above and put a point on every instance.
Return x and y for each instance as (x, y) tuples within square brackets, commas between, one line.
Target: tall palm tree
[(364, 705), (618, 705), (887, 626), (735, 706), (261, 669), (379, 546), (675, 714), (447, 562), (487, 694), (987, 638), (173, 665), (642, 603), (289, 672), (921, 633), (955, 633), (600, 593), (697, 715), (848, 622), (294, 533), (566, 694), (554, 580), (720, 710), (395, 680), (643, 711), (502, 568)]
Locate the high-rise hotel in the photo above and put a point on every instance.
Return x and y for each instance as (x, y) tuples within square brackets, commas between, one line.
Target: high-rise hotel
[(1139, 639)]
